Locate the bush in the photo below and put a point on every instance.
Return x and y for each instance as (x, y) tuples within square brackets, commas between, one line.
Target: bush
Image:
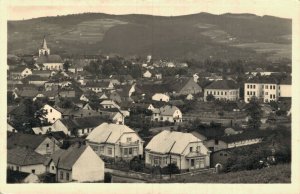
[(107, 177), (137, 164), (170, 169)]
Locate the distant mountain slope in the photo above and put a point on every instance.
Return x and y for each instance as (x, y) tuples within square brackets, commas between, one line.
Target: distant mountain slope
[(197, 36)]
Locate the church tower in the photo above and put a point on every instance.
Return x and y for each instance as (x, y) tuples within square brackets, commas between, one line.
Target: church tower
[(44, 50)]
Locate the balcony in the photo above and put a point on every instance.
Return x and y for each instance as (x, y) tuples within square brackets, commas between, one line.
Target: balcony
[(129, 144)]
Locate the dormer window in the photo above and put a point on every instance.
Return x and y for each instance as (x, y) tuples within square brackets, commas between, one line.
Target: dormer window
[(191, 149), (129, 139)]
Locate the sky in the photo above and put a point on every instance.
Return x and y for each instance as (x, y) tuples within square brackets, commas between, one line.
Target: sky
[(19, 10)]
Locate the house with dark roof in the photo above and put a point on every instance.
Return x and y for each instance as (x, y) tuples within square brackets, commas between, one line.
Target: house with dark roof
[(38, 143), (78, 126), (182, 86), (13, 176), (223, 90), (98, 86), (25, 160), (78, 163)]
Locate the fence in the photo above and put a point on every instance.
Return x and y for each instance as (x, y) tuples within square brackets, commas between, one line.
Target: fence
[(156, 177)]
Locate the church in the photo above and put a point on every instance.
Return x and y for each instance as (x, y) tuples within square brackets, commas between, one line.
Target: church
[(45, 61)]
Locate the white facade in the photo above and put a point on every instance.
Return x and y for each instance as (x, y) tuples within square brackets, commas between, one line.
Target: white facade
[(53, 66), (52, 114), (88, 168), (59, 126), (266, 91), (222, 94), (26, 72), (161, 97), (36, 169), (147, 74)]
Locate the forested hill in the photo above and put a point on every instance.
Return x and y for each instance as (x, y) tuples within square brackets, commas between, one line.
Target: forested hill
[(195, 36)]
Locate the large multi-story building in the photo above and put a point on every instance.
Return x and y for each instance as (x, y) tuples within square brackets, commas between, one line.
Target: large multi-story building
[(267, 90), (223, 90)]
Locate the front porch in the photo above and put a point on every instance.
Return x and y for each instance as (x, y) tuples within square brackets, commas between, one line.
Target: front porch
[(195, 161)]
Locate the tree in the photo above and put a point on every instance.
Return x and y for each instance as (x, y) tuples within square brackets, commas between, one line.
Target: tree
[(66, 65), (254, 112), (210, 97)]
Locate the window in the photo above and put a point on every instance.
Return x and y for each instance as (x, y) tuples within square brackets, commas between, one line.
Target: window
[(52, 167), (221, 154), (270, 95), (266, 93), (254, 93), (109, 151), (18, 168), (33, 171), (254, 86), (225, 154), (221, 93), (198, 148), (67, 176), (53, 119), (248, 86), (216, 141), (218, 93), (266, 86), (61, 175), (207, 92), (191, 149), (225, 93), (47, 145), (50, 109), (274, 96), (130, 151), (129, 139), (214, 92)]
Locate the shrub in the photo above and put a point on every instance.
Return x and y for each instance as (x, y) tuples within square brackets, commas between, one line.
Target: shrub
[(170, 169)]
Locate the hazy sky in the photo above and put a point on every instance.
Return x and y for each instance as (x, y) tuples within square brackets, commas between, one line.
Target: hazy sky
[(19, 10)]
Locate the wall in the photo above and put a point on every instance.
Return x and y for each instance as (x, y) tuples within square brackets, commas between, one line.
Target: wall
[(43, 149), (39, 168), (64, 178), (211, 143), (285, 90), (52, 116), (89, 167), (59, 126), (230, 95), (135, 138)]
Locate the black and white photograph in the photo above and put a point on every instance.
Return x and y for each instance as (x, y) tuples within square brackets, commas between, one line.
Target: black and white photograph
[(149, 92)]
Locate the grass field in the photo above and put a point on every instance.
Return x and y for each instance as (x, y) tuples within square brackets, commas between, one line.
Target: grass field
[(274, 174)]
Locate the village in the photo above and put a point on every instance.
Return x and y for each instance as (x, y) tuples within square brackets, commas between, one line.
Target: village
[(98, 118)]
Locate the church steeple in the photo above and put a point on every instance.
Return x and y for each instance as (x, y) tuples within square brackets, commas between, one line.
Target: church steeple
[(44, 44), (44, 50)]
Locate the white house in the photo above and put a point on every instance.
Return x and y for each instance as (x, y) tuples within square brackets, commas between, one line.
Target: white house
[(79, 163), (51, 114), (25, 160), (115, 141), (189, 97), (267, 91), (10, 128), (147, 74), (160, 97), (183, 149), (20, 72), (167, 113), (42, 130), (109, 104)]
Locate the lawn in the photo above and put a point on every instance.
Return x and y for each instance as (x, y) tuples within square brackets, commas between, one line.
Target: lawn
[(274, 174)]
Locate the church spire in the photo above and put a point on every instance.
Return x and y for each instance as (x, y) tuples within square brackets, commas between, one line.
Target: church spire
[(44, 44)]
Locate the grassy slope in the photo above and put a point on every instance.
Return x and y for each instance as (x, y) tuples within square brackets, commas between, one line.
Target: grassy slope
[(274, 174), (190, 36)]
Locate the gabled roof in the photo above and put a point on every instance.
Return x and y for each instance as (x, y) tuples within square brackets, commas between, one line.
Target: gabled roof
[(223, 84), (22, 156), (170, 142), (102, 84), (19, 69), (65, 159), (28, 93), (42, 130), (24, 140), (85, 122), (168, 110), (49, 59), (247, 135), (108, 133)]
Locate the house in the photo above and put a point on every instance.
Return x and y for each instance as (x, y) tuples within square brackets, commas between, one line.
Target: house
[(51, 114), (115, 141), (147, 74), (36, 80), (25, 160), (12, 129), (42, 130), (161, 97), (78, 126), (223, 90), (38, 143), (109, 104), (158, 76), (99, 86), (79, 163), (78, 65), (189, 97), (183, 149), (20, 72), (167, 113), (267, 89), (182, 86), (43, 73)]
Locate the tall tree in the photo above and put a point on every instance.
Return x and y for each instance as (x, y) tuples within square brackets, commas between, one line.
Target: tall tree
[(255, 113), (66, 66)]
